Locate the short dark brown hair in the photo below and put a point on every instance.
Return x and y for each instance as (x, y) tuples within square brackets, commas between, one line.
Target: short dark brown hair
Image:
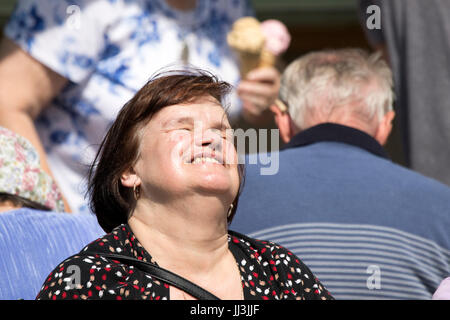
[(109, 199), (21, 202)]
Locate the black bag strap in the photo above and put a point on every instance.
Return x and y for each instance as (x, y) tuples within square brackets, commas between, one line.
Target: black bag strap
[(164, 275)]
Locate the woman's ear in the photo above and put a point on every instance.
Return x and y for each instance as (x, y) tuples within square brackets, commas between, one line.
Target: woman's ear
[(130, 179), (284, 123)]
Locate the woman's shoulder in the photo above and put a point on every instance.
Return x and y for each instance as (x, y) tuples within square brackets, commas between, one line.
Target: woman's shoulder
[(109, 243), (114, 242), (266, 247), (89, 274), (282, 266), (269, 254)]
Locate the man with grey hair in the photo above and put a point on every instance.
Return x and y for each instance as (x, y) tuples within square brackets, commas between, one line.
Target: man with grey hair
[(367, 227), (347, 87)]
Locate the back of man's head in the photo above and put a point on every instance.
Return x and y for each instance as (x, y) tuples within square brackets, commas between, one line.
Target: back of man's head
[(347, 86)]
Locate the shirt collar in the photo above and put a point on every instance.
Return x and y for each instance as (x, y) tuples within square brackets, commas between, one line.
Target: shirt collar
[(337, 133)]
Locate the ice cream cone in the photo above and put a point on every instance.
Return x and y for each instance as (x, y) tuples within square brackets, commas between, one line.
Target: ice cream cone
[(257, 44), (247, 62), (250, 61), (247, 41), (267, 59)]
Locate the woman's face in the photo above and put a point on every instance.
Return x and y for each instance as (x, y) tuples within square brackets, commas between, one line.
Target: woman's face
[(188, 149)]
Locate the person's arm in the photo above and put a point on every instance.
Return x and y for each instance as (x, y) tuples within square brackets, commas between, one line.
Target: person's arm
[(27, 87)]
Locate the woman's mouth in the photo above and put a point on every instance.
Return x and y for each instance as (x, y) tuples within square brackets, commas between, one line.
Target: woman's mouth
[(205, 157)]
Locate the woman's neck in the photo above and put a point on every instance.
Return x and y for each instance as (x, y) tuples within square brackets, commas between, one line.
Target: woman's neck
[(185, 240), (182, 5)]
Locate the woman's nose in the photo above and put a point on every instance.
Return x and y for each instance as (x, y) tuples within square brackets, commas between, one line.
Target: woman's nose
[(209, 137)]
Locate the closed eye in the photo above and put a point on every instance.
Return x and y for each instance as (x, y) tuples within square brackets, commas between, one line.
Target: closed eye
[(185, 128)]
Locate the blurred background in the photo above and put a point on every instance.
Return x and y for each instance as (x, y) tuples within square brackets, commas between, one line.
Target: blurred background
[(313, 24)]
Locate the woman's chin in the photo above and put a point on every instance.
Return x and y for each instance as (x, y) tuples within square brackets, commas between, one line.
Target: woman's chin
[(213, 186), (214, 183)]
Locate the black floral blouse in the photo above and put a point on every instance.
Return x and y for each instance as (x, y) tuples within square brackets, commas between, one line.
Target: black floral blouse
[(268, 271)]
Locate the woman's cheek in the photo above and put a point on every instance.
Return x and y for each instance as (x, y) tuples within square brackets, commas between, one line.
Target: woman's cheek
[(180, 146), (230, 154)]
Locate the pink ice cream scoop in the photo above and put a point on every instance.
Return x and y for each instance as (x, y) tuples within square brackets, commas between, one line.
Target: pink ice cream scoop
[(277, 36)]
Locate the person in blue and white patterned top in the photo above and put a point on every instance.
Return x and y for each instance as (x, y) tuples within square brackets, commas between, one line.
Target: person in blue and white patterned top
[(67, 67)]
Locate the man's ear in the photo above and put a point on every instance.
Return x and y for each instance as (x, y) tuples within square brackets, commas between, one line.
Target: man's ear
[(284, 123), (384, 128), (130, 179)]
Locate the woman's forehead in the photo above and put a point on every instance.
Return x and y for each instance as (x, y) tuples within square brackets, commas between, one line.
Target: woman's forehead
[(189, 113)]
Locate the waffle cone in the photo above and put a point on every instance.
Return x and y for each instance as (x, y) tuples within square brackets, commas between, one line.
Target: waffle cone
[(267, 59), (249, 61)]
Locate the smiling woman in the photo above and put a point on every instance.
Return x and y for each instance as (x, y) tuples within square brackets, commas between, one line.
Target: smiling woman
[(185, 155), (165, 185), (152, 134)]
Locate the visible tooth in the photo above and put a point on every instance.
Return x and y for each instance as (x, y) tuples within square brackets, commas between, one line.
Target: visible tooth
[(207, 159), (212, 160)]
